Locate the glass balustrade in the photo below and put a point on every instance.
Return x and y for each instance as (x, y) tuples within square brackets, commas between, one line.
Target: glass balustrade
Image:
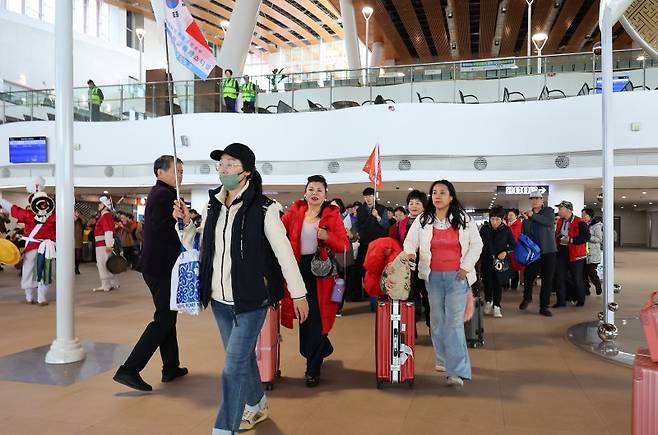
[(467, 82)]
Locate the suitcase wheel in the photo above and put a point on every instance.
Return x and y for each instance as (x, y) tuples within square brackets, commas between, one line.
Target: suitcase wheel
[(380, 384), (410, 383), (269, 386), (277, 374)]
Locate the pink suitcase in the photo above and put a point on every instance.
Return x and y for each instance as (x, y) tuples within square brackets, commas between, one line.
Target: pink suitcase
[(268, 348), (649, 318), (645, 394)]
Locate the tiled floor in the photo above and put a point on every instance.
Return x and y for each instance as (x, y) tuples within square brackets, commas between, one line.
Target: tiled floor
[(528, 379)]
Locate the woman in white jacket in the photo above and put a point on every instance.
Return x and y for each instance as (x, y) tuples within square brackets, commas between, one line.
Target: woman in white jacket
[(449, 245)]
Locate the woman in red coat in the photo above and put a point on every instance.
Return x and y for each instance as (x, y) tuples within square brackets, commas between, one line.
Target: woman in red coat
[(314, 225), (515, 223)]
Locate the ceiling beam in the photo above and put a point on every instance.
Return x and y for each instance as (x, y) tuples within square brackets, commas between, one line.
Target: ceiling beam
[(292, 10), (513, 22), (388, 28), (322, 16), (586, 27), (564, 21)]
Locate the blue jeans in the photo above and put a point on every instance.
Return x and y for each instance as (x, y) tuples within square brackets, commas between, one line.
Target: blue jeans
[(240, 379), (447, 298)]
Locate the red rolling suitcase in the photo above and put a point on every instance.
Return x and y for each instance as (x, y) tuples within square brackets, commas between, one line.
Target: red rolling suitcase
[(268, 348), (394, 342), (645, 394)]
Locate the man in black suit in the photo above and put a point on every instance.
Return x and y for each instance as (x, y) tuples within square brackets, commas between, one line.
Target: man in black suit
[(159, 253)]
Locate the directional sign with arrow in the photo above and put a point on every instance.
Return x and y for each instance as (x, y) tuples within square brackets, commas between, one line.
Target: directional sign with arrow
[(521, 190)]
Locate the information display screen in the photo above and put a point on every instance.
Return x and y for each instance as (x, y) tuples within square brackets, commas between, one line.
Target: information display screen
[(28, 149)]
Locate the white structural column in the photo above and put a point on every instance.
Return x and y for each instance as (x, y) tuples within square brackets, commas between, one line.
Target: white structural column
[(377, 54), (574, 193), (235, 48), (199, 198), (351, 37), (66, 348)]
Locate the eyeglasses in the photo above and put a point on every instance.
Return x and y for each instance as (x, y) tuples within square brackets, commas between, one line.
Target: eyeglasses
[(222, 165)]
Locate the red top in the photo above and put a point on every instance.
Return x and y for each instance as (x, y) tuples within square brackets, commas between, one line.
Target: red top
[(446, 250), (26, 217), (103, 224)]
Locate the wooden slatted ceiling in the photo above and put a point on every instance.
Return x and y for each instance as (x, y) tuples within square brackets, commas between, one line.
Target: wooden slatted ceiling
[(292, 10), (562, 24), (322, 16), (488, 17), (586, 27), (462, 20), (384, 21), (287, 21), (434, 14), (513, 22), (410, 21)]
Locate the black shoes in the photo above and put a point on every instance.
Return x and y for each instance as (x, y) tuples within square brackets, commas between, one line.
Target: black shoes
[(580, 303), (558, 305), (132, 380), (171, 375), (311, 381), (524, 304), (545, 312)]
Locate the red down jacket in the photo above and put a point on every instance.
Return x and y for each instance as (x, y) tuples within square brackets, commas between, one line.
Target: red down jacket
[(381, 252)]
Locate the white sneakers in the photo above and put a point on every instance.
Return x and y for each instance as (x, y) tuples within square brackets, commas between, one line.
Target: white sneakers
[(257, 413), (454, 381), (439, 368), (491, 309)]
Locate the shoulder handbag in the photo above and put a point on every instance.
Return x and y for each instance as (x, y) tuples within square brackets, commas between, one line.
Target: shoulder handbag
[(502, 267), (324, 268)]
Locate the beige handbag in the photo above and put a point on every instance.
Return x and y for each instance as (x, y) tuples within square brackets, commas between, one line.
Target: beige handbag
[(396, 277)]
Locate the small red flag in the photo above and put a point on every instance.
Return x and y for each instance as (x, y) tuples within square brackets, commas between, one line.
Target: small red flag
[(373, 167)]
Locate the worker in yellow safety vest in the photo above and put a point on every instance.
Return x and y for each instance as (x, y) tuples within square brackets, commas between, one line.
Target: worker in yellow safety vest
[(95, 99), (248, 91), (230, 90)]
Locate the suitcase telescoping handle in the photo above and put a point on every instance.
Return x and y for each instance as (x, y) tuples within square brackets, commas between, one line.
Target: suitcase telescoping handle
[(652, 300)]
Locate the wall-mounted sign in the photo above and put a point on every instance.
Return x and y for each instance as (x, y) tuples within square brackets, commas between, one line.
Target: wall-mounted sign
[(487, 65), (521, 190)]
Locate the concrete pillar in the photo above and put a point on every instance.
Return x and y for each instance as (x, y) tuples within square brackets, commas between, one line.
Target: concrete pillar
[(66, 348), (377, 54), (199, 198), (351, 38), (574, 193), (233, 53)]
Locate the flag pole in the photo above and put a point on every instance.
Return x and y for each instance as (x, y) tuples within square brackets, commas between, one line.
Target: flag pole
[(170, 93)]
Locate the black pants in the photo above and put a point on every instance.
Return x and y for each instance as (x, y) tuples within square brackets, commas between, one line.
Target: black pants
[(591, 274), (130, 252), (547, 265), (248, 106), (515, 279), (570, 285), (493, 291), (419, 296), (313, 344), (230, 104), (95, 112), (78, 259), (161, 332)]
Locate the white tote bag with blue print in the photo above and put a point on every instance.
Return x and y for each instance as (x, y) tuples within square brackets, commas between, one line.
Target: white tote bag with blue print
[(185, 295)]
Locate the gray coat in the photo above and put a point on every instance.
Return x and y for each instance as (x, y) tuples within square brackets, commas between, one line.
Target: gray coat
[(595, 243), (541, 229)]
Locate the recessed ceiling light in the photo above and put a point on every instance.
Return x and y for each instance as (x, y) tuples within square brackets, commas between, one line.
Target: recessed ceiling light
[(644, 193), (621, 206), (634, 205), (651, 203), (411, 188), (594, 203), (623, 197), (388, 202)]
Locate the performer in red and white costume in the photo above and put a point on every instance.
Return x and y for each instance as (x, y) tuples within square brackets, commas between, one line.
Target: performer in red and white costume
[(104, 236), (39, 237)]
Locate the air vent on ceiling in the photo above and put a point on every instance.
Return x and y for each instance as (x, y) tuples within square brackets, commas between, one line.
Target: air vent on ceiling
[(404, 165), (562, 161), (109, 171), (480, 163), (267, 168), (204, 169), (333, 167)]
